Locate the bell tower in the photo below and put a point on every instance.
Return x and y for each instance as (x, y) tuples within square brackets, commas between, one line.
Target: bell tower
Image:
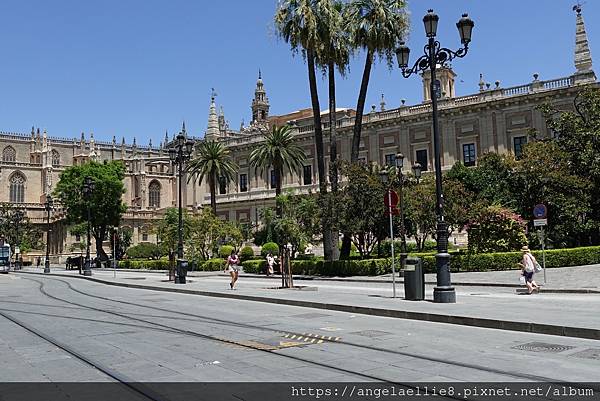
[(445, 83), (260, 103)]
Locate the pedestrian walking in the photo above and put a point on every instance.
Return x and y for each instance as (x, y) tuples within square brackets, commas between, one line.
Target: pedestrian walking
[(530, 266), (270, 264), (38, 261), (233, 267)]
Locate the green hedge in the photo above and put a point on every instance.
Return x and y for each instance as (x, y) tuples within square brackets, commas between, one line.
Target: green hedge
[(246, 253), (465, 262), (269, 247), (163, 264), (225, 250), (370, 267)]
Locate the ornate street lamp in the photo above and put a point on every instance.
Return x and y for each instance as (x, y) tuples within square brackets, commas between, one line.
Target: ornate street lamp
[(179, 154), (384, 176), (88, 190), (402, 180), (18, 216), (48, 206), (436, 54)]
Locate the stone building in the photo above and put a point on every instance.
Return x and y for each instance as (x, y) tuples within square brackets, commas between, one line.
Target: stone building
[(493, 119)]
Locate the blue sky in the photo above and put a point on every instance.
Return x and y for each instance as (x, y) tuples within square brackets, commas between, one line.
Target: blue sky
[(139, 67)]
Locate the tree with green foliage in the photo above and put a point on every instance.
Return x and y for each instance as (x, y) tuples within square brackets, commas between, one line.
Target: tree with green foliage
[(577, 132), (361, 207), (145, 250), (496, 229), (106, 203), (544, 176), (212, 162), (168, 229), (207, 233), (17, 229), (278, 151)]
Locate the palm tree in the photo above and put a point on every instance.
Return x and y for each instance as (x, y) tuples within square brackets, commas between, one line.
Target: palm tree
[(278, 151), (375, 26), (214, 163), (297, 22)]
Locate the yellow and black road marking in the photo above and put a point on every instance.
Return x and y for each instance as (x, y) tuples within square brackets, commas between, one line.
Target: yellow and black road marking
[(311, 338)]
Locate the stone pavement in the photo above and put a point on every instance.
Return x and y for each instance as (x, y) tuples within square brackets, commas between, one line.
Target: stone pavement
[(572, 315)]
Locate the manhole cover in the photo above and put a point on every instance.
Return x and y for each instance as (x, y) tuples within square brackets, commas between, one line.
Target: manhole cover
[(543, 347), (591, 353), (310, 315), (371, 333)]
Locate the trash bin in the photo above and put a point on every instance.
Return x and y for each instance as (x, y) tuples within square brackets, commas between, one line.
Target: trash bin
[(414, 280), (182, 266)]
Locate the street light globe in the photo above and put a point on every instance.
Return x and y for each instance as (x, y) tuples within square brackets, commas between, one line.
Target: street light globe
[(430, 20), (172, 154), (189, 145), (465, 28), (400, 160), (181, 139), (403, 55), (417, 170), (383, 176)]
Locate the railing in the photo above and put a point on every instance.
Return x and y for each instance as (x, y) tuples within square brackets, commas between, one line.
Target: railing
[(517, 90), (558, 83)]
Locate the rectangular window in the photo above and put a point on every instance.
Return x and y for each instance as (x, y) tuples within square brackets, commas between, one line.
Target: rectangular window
[(77, 238), (469, 154), (144, 237), (273, 179), (519, 142), (243, 183), (307, 175), (222, 186), (422, 159), (390, 160)]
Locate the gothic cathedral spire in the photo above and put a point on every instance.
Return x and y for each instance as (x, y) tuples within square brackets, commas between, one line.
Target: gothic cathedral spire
[(260, 103)]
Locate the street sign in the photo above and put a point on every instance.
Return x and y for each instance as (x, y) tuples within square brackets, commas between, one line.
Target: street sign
[(540, 211), (392, 196), (395, 211), (540, 222)]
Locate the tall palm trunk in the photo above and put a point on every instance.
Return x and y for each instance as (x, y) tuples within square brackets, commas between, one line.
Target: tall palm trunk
[(278, 184), (360, 107), (213, 192), (333, 166), (316, 108)]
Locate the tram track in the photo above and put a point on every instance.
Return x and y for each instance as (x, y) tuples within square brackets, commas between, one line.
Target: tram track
[(216, 321)]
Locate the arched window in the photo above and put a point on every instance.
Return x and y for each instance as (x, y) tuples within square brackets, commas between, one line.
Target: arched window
[(55, 158), (154, 194), (17, 188), (9, 154)]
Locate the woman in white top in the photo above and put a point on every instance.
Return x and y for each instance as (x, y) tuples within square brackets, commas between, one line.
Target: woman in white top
[(528, 269), (270, 264), (233, 267)]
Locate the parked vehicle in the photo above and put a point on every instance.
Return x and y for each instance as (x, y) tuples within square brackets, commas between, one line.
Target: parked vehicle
[(5, 263)]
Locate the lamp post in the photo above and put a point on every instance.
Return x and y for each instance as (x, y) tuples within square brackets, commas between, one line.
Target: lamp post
[(384, 176), (179, 154), (88, 190), (48, 206), (19, 215), (402, 180), (436, 54)]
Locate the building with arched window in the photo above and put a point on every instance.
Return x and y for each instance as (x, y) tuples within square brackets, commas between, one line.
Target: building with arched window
[(9, 154), (154, 195), (55, 158), (17, 188)]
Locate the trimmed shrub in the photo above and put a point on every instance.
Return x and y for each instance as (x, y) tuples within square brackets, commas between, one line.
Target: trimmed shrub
[(144, 250), (269, 247), (213, 265), (246, 253), (254, 266), (225, 250), (160, 264)]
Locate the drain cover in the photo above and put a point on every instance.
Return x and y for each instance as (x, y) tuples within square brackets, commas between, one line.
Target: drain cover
[(310, 315), (543, 347), (590, 353), (371, 333)]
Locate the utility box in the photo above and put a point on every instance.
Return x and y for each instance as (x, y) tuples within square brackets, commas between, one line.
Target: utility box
[(414, 280)]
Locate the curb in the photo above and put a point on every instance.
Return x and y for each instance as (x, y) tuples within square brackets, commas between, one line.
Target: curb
[(399, 280), (536, 328)]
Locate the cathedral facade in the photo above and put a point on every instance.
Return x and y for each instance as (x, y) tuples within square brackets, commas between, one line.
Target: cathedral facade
[(493, 119)]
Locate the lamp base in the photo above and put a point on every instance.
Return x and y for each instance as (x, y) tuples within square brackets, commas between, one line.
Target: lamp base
[(444, 295), (47, 266)]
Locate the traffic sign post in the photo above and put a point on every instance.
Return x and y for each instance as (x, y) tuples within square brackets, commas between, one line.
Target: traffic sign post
[(391, 200), (540, 214)]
